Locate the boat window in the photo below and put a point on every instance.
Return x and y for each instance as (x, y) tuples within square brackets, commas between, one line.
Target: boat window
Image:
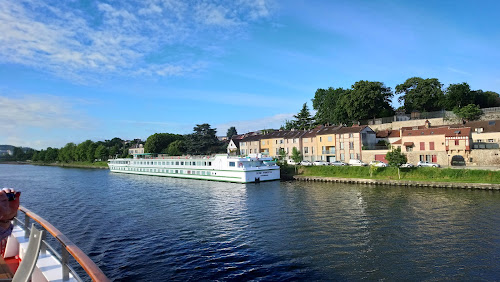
[(176, 163), (232, 164), (210, 163)]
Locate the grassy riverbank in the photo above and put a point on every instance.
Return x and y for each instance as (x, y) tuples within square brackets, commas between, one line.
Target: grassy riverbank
[(413, 174), (102, 165)]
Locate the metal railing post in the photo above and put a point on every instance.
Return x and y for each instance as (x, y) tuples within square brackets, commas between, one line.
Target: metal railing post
[(26, 225), (43, 247), (65, 263)]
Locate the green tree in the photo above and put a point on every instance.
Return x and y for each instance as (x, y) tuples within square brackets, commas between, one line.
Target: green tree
[(458, 95), (50, 155), (289, 125), (176, 148), (486, 99), (67, 153), (203, 140), (231, 132), (296, 155), (326, 102), (421, 94), (368, 99), (468, 113), (396, 158), (114, 150), (303, 119), (90, 153), (158, 142), (81, 150), (101, 153)]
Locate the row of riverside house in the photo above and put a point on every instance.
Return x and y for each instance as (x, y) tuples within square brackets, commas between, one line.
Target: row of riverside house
[(328, 143), (474, 143)]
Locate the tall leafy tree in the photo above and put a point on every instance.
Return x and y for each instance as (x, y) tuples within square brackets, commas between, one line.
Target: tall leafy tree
[(101, 152), (368, 99), (158, 142), (203, 140), (486, 99), (326, 104), (231, 132), (421, 94), (176, 148), (458, 95)]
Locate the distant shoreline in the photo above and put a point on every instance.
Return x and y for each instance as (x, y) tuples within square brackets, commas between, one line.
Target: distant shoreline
[(69, 165)]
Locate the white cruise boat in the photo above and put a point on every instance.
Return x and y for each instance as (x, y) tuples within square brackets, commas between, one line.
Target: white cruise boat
[(253, 168)]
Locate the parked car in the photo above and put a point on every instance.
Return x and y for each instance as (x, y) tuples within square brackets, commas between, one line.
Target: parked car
[(320, 163), (338, 163), (427, 164), (406, 165), (306, 163), (291, 162), (378, 164), (357, 163)]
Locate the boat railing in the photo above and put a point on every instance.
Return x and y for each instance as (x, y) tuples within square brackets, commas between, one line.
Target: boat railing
[(67, 248)]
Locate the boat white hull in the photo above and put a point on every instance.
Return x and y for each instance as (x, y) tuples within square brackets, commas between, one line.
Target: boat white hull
[(247, 176)]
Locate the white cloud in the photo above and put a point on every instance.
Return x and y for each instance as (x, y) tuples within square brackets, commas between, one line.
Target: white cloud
[(38, 111), (116, 39), (26, 119)]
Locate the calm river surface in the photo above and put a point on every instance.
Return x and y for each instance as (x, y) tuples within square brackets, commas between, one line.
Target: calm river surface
[(144, 228)]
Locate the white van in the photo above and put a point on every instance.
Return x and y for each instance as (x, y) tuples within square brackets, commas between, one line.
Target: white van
[(357, 163)]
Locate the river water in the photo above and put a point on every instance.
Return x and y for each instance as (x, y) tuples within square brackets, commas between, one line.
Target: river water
[(144, 228)]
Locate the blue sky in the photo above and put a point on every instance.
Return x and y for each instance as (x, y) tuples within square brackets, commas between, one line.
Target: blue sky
[(76, 70)]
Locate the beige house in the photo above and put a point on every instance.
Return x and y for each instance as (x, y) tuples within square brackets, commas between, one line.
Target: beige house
[(250, 144), (351, 140), (136, 149)]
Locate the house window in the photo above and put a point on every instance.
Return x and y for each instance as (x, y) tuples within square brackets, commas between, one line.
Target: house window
[(422, 146), (351, 156), (263, 142), (421, 158), (312, 150), (428, 158), (457, 142), (491, 140), (306, 140), (431, 146), (342, 157), (409, 149), (434, 158), (351, 135), (306, 150), (342, 146), (329, 138), (320, 139), (351, 145)]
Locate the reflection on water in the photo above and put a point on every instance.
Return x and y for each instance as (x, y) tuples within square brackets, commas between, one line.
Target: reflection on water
[(153, 228)]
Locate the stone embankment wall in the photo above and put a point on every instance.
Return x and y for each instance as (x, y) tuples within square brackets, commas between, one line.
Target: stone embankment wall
[(485, 157), (480, 186)]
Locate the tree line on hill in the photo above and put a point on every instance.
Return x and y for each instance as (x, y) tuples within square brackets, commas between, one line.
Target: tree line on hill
[(203, 141), (372, 99)]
